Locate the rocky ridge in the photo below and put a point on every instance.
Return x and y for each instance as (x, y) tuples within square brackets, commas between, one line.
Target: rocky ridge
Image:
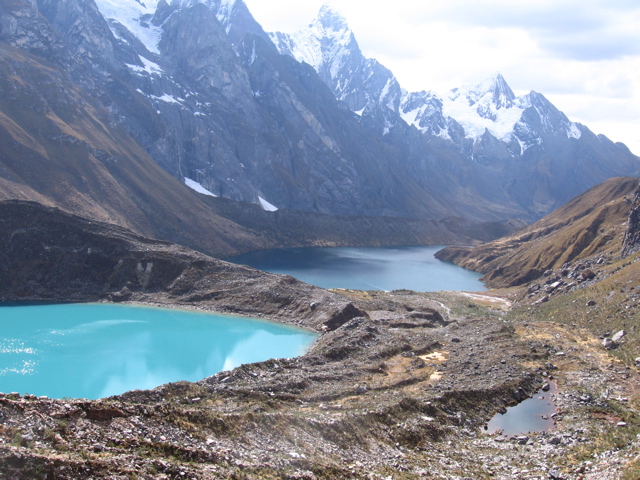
[(590, 226), (51, 256)]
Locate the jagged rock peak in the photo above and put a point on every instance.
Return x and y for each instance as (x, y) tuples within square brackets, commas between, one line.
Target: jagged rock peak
[(330, 18), (324, 41)]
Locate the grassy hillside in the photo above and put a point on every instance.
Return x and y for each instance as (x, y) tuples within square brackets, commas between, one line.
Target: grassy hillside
[(603, 307), (592, 223)]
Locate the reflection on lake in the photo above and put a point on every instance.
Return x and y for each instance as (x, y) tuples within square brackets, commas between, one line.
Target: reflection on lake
[(366, 268), (98, 350)]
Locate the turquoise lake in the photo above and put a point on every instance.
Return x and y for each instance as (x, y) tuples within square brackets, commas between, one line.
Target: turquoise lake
[(364, 268), (98, 350)]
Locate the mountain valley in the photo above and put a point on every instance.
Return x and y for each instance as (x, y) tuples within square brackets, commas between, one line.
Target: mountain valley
[(143, 141)]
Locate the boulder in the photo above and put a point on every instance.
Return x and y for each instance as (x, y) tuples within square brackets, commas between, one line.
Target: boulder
[(541, 300), (618, 336), (588, 275)]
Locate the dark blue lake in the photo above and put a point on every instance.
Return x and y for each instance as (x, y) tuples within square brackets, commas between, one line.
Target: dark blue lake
[(366, 268), (98, 350)]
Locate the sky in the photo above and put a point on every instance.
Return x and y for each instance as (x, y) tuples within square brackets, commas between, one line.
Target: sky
[(583, 55)]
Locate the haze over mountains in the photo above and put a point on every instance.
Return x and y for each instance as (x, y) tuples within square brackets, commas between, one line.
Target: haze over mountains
[(96, 96)]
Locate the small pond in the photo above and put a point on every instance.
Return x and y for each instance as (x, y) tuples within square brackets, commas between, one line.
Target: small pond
[(366, 268), (98, 350), (531, 415)]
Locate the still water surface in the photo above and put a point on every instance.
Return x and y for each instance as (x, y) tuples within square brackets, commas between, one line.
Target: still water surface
[(98, 350), (366, 268), (532, 415)]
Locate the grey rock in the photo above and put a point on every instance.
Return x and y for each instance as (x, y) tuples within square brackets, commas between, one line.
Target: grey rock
[(519, 395), (618, 336), (555, 474), (631, 242), (608, 343), (542, 300)]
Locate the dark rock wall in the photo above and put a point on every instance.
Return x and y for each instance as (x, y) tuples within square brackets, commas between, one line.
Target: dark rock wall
[(632, 237)]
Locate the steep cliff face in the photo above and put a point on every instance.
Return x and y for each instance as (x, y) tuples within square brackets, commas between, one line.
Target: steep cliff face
[(62, 146)]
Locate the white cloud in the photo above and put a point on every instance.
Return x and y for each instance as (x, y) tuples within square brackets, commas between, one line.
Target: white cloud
[(584, 56)]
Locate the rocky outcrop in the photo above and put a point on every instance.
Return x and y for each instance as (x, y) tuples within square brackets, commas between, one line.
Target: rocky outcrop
[(632, 236), (48, 255)]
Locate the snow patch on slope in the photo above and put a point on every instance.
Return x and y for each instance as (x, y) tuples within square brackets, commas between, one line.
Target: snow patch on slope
[(574, 131), (149, 67), (268, 207), (129, 13), (224, 13), (197, 187)]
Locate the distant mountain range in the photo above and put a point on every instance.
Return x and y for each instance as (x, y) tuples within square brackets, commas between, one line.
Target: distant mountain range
[(539, 153), (114, 108), (464, 115)]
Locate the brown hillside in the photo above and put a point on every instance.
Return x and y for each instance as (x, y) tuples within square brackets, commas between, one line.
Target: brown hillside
[(591, 223)]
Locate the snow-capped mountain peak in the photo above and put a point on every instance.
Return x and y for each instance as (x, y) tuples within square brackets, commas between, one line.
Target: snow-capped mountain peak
[(331, 19), (322, 42), (494, 90), (463, 115), (490, 106), (330, 47)]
